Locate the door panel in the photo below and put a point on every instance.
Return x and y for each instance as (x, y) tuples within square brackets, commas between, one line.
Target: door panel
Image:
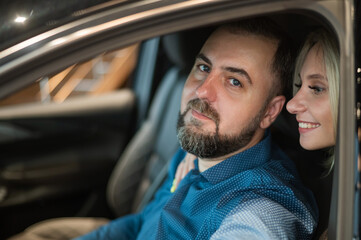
[(60, 139), (60, 159)]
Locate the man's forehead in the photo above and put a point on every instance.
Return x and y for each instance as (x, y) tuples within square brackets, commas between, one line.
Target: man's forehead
[(236, 46), (223, 34), (248, 54), (225, 29)]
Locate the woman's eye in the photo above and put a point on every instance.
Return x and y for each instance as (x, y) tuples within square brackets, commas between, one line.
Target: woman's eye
[(316, 89), (298, 85), (204, 68), (235, 82)]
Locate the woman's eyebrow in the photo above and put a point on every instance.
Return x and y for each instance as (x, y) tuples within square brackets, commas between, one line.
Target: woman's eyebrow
[(316, 76)]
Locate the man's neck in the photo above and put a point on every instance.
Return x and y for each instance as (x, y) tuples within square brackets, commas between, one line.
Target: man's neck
[(205, 163)]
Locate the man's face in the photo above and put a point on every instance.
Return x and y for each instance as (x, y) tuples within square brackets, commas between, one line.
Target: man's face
[(224, 97)]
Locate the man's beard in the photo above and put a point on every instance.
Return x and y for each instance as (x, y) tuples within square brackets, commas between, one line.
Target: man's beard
[(212, 145)]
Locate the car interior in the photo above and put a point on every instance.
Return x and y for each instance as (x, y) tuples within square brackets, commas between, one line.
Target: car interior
[(109, 161)]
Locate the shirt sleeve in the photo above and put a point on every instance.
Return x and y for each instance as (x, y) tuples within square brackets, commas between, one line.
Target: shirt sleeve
[(128, 227), (121, 229), (262, 219)]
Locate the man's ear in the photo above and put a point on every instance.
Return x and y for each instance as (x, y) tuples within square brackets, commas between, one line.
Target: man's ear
[(273, 109)]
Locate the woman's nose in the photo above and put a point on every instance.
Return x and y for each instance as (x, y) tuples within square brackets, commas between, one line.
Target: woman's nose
[(207, 90), (296, 104)]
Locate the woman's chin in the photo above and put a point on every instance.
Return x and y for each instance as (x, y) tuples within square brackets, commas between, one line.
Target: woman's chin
[(315, 144)]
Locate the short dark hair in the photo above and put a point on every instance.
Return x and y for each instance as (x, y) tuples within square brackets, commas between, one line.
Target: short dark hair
[(283, 59)]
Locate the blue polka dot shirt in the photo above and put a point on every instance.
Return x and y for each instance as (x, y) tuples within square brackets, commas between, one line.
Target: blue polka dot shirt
[(255, 194)]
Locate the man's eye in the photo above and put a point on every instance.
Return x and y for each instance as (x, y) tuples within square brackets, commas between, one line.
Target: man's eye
[(204, 68), (235, 82)]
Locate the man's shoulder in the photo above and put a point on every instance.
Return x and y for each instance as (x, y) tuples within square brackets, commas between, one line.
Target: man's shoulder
[(255, 219)]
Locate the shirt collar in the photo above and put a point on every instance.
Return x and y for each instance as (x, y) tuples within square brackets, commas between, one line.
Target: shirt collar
[(248, 159)]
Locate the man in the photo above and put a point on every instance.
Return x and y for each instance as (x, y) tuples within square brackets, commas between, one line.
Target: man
[(242, 182)]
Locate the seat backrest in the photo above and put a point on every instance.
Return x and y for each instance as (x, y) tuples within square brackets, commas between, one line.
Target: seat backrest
[(142, 166)]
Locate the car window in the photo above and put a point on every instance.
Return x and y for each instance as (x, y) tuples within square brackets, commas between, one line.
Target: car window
[(102, 74)]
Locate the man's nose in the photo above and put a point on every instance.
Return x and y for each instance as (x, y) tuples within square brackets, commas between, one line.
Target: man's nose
[(208, 89), (296, 104)]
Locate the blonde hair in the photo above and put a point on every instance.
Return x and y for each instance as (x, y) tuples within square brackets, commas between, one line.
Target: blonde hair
[(331, 57)]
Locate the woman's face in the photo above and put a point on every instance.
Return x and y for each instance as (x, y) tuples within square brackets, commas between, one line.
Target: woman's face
[(311, 104)]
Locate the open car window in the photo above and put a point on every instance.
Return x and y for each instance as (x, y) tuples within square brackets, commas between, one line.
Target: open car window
[(108, 72)]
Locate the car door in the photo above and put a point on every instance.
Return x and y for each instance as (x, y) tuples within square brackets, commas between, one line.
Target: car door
[(60, 139), (61, 135)]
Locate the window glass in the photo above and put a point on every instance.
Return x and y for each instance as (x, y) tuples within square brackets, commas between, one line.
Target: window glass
[(104, 73)]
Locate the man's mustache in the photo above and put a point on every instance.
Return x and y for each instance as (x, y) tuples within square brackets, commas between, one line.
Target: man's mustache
[(204, 108)]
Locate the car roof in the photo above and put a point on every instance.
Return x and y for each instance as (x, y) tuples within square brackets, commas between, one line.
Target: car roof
[(24, 19)]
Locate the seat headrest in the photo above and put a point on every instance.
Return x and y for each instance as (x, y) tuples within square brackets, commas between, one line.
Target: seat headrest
[(182, 47)]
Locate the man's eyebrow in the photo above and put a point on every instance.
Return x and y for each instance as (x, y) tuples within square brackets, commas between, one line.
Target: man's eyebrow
[(241, 72), (204, 58)]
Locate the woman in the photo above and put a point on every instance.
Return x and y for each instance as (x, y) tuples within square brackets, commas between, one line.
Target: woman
[(316, 95), (315, 101)]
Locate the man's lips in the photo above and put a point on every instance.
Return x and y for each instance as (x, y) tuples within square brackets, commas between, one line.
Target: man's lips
[(199, 115), (202, 110)]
